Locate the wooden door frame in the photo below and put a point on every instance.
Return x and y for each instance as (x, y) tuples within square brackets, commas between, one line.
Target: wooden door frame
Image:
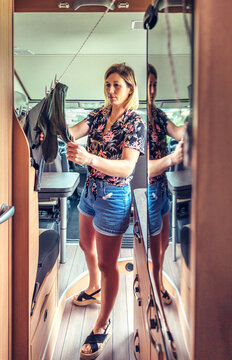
[(6, 106), (212, 172)]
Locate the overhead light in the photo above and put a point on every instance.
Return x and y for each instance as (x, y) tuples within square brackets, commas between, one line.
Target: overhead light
[(78, 3), (123, 5), (18, 51), (137, 25)]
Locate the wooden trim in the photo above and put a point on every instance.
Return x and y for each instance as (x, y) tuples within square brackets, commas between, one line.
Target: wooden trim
[(21, 84), (6, 104), (25, 241), (211, 225), (52, 6)]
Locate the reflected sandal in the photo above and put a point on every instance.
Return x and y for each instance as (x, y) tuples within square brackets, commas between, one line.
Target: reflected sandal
[(93, 340), (166, 297), (84, 299), (172, 343)]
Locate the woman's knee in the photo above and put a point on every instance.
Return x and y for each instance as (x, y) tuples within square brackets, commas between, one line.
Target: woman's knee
[(87, 246), (107, 268)]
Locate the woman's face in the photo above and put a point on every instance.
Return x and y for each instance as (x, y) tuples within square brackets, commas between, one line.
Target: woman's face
[(117, 89), (151, 93)]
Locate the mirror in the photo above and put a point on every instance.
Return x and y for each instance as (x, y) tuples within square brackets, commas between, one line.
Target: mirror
[(168, 102)]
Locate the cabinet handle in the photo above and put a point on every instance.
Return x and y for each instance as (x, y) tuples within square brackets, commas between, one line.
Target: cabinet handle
[(136, 290), (153, 325), (136, 231), (136, 347)]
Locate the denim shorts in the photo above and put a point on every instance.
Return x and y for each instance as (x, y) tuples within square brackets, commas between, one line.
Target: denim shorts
[(158, 206), (110, 210)]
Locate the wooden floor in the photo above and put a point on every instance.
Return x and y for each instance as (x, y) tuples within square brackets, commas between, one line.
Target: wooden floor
[(78, 322)]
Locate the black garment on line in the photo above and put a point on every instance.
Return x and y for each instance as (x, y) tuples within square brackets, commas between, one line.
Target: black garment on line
[(32, 133), (52, 122)]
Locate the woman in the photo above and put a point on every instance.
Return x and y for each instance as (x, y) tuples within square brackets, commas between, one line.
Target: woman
[(160, 161), (116, 136)]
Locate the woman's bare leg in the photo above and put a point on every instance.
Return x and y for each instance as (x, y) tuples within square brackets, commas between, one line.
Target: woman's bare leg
[(155, 246), (163, 247), (88, 245), (108, 248)]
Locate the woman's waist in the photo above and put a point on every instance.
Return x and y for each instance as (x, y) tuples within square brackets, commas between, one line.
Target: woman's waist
[(107, 181)]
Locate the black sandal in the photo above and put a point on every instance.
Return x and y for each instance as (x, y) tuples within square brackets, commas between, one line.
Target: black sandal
[(93, 340), (166, 297), (83, 299)]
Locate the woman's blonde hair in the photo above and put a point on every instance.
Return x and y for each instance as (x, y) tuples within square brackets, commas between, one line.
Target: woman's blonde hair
[(127, 74)]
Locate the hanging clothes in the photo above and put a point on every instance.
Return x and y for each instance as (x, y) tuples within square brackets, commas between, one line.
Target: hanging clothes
[(32, 132), (52, 122)]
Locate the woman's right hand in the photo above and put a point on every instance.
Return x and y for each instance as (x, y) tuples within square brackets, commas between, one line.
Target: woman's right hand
[(178, 154)]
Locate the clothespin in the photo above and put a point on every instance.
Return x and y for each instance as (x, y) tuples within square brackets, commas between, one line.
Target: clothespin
[(55, 80), (51, 86), (46, 92)]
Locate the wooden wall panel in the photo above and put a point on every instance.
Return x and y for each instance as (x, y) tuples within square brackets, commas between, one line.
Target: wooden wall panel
[(212, 193), (52, 5), (26, 241), (6, 90)]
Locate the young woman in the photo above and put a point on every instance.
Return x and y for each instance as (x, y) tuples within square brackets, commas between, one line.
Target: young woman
[(116, 137), (159, 161)]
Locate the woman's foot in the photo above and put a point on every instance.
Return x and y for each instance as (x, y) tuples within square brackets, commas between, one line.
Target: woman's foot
[(165, 297), (88, 296), (95, 342)]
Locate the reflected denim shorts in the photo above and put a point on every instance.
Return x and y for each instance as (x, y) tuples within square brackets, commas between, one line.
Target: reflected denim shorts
[(158, 206), (110, 210)]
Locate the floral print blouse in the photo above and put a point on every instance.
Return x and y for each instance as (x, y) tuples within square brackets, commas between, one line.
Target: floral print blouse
[(157, 140), (126, 132)]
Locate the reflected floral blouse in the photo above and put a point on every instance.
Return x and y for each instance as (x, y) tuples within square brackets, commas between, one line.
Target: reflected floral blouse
[(157, 140), (126, 132)]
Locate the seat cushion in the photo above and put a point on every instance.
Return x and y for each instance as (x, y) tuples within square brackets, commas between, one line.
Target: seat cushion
[(48, 253)]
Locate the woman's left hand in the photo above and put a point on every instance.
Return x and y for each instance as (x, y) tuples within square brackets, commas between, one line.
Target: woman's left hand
[(78, 154)]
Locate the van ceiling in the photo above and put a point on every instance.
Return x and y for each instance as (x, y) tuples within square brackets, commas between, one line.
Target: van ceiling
[(45, 42)]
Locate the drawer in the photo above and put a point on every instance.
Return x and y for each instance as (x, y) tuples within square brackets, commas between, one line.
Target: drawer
[(44, 291), (45, 320)]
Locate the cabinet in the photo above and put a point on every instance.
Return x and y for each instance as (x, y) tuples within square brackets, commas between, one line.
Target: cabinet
[(30, 332), (148, 339)]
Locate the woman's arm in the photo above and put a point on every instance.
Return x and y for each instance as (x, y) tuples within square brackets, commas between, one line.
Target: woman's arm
[(176, 132), (79, 130), (157, 167), (122, 168)]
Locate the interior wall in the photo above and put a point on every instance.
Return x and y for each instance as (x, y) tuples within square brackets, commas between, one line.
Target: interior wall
[(85, 77)]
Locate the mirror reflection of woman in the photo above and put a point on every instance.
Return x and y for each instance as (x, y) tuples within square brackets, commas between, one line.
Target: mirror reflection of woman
[(159, 161), (116, 137)]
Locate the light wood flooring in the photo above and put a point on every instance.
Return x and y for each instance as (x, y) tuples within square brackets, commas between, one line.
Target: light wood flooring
[(77, 322)]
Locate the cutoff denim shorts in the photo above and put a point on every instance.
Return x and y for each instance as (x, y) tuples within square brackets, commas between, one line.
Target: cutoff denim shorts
[(110, 210), (158, 206)]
